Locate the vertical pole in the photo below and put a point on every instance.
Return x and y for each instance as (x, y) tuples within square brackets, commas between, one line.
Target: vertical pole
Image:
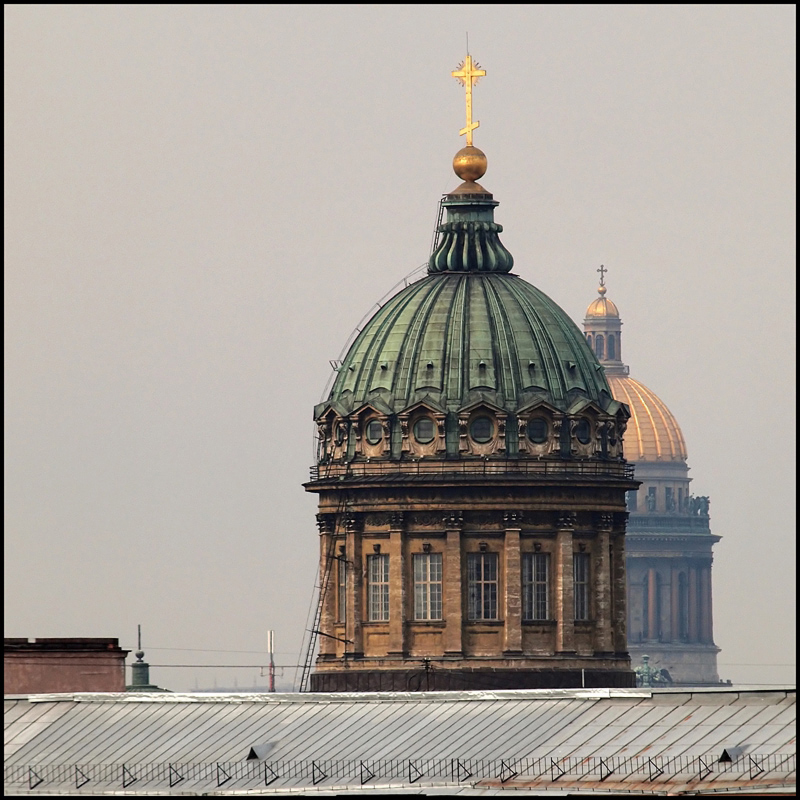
[(271, 647)]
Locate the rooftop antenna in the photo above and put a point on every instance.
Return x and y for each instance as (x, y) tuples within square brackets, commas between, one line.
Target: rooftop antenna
[(271, 648)]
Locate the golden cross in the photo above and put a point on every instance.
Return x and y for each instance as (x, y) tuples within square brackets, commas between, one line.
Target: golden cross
[(467, 74), (602, 272)]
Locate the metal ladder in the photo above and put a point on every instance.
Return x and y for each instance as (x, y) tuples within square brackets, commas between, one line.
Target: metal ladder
[(323, 591)]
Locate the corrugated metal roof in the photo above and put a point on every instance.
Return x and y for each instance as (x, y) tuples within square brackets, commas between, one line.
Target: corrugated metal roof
[(609, 740)]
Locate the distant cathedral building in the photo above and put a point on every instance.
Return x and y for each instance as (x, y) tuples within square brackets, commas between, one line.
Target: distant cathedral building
[(471, 480), (669, 540)]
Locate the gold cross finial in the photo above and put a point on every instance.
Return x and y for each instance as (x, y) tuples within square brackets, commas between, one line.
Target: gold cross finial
[(467, 74), (602, 272)]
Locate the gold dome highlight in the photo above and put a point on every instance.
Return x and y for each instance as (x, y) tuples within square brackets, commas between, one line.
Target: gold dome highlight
[(653, 433)]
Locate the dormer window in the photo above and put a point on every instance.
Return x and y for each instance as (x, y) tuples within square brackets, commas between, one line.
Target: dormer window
[(481, 430), (583, 433), (341, 433), (537, 430), (424, 430), (374, 432)]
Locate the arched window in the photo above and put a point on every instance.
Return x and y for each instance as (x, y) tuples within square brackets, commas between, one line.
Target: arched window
[(589, 339), (599, 349), (612, 348)]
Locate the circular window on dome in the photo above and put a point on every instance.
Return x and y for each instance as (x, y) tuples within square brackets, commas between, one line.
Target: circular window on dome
[(583, 433), (537, 430), (481, 430), (374, 431), (424, 430)]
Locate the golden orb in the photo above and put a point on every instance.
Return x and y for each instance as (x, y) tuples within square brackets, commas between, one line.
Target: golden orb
[(469, 163), (602, 290)]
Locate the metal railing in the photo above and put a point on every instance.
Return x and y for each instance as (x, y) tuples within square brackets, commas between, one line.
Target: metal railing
[(501, 468)]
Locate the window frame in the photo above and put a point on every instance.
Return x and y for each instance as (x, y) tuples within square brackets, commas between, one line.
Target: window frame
[(581, 587), (427, 587), (535, 590), (378, 587), (482, 592), (341, 588)]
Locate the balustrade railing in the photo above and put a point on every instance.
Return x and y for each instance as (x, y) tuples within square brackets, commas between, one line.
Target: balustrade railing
[(471, 468)]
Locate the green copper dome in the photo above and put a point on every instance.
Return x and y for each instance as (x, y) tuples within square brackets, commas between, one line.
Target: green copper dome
[(469, 331), (456, 337)]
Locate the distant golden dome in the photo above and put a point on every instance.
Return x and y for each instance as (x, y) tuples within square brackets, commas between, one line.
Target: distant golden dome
[(602, 306), (653, 434)]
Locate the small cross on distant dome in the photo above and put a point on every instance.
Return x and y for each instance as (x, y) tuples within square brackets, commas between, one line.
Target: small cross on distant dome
[(602, 272)]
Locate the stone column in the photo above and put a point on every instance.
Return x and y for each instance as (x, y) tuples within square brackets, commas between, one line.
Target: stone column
[(328, 574), (674, 604), (603, 577), (397, 586), (693, 609), (565, 589), (706, 635), (453, 593), (620, 594), (355, 588), (652, 604), (512, 596)]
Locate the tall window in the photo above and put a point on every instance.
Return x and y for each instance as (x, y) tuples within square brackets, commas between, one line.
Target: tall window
[(580, 567), (427, 585), (631, 500), (341, 589), (378, 587), (535, 586), (599, 341), (482, 585), (612, 350)]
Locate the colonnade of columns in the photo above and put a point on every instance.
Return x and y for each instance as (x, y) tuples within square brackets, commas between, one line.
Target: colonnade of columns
[(689, 617)]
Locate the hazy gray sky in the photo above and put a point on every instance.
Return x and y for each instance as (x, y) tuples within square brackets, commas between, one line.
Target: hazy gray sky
[(202, 201)]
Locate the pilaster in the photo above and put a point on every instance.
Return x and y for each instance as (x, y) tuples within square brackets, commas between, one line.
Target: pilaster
[(397, 586), (453, 593), (355, 587), (512, 605), (565, 589), (603, 637)]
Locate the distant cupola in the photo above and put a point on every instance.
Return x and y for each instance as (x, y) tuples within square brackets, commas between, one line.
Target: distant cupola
[(603, 329)]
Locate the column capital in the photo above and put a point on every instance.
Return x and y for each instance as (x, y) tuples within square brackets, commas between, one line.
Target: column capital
[(326, 522), (512, 519), (567, 520), (396, 519), (453, 520)]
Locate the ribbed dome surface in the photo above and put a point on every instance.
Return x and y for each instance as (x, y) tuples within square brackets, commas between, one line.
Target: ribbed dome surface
[(653, 433), (457, 337)]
